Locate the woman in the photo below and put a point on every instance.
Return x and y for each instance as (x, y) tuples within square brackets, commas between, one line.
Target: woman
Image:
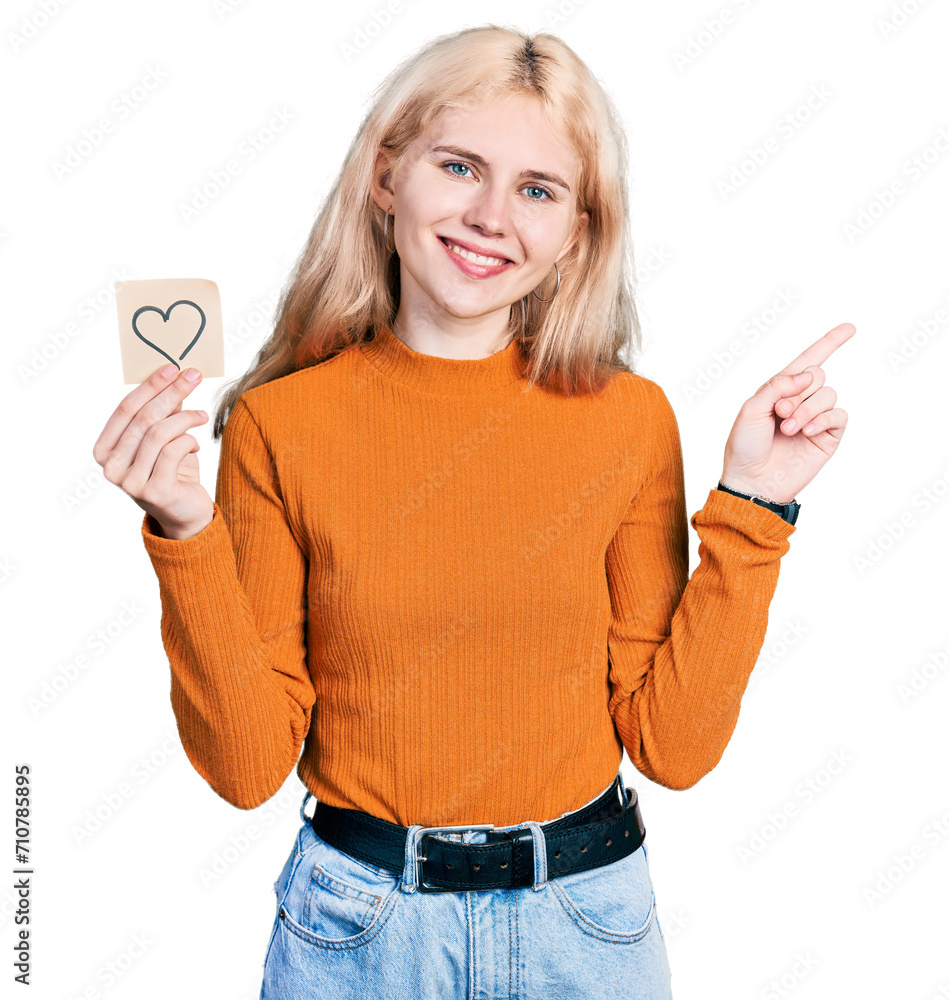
[(449, 556)]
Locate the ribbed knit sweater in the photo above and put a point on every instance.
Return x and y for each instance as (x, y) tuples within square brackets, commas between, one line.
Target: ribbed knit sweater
[(460, 595)]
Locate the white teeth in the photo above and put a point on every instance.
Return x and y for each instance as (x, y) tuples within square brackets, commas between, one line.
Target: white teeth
[(475, 257)]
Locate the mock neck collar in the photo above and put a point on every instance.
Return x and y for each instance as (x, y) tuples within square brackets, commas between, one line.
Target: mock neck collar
[(442, 376)]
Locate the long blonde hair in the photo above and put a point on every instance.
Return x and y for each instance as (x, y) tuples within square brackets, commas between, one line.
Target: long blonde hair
[(345, 283)]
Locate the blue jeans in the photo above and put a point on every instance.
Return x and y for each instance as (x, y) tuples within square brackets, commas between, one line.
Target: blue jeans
[(345, 929)]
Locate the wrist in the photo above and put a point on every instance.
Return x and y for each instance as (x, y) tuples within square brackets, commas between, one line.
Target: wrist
[(178, 533), (788, 511), (737, 485)]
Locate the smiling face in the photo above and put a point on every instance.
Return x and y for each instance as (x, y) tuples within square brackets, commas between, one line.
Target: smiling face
[(484, 203)]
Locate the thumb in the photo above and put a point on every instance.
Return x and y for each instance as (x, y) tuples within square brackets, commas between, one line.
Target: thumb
[(763, 401)]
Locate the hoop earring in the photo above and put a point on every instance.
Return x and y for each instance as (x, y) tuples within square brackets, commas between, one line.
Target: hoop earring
[(385, 234), (557, 289)]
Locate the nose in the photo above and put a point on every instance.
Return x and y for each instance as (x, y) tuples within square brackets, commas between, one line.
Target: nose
[(489, 211)]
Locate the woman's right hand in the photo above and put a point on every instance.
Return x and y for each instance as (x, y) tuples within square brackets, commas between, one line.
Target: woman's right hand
[(144, 449)]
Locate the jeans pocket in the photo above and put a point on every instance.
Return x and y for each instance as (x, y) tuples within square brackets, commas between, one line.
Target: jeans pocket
[(333, 899), (614, 902)]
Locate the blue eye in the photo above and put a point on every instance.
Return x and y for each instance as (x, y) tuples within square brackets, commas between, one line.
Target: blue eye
[(547, 196)]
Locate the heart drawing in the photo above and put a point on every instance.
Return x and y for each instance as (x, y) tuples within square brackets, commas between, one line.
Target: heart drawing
[(177, 328)]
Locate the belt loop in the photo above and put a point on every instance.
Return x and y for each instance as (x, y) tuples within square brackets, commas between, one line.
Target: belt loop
[(410, 871), (540, 854), (624, 798), (306, 798)]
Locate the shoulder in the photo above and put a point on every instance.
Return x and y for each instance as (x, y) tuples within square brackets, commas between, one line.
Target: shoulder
[(643, 407), (303, 394), (301, 383), (641, 397), (285, 414)]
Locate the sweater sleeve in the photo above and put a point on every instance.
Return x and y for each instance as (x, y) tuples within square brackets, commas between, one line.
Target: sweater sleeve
[(681, 650), (233, 625)]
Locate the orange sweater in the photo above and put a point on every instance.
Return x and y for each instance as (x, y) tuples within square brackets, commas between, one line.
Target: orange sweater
[(460, 595)]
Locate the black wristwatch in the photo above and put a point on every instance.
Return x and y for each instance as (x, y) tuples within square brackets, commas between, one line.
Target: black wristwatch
[(788, 511)]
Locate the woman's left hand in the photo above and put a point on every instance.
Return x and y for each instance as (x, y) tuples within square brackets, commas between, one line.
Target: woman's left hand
[(789, 428)]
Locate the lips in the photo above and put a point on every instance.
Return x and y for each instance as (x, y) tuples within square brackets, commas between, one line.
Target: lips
[(483, 253)]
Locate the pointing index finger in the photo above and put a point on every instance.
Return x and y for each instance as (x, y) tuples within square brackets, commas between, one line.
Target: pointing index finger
[(821, 349)]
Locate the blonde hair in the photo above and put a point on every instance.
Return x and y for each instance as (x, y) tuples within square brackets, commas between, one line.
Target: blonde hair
[(333, 300)]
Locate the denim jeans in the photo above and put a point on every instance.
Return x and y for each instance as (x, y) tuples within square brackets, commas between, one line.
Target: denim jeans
[(345, 928)]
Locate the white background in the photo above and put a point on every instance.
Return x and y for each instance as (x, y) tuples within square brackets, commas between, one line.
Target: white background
[(860, 605)]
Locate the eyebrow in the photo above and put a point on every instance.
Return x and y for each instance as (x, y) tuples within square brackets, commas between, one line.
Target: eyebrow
[(541, 175)]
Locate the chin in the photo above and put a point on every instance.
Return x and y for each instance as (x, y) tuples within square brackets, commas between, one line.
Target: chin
[(471, 310)]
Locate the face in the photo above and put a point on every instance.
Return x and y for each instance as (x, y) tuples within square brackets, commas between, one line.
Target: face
[(501, 187)]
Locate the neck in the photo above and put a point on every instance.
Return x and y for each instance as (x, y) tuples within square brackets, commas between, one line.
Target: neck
[(464, 343)]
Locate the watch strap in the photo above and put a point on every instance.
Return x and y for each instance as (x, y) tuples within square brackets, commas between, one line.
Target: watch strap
[(788, 511)]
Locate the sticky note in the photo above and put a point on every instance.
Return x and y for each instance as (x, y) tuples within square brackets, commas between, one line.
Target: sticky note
[(169, 319)]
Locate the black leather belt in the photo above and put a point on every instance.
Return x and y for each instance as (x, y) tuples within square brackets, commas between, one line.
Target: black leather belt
[(602, 832)]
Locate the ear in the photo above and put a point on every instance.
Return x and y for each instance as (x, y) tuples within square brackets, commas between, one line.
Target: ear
[(582, 222), (382, 192)]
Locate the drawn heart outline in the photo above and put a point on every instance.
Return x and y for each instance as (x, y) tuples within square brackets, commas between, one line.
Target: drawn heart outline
[(164, 315)]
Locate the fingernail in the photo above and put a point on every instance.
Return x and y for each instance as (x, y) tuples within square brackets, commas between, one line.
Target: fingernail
[(192, 374), (168, 371), (789, 425)]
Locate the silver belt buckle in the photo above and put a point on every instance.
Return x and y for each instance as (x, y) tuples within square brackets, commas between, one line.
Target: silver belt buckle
[(419, 858)]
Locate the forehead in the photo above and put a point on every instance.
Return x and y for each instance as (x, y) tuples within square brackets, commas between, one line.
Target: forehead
[(511, 131)]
